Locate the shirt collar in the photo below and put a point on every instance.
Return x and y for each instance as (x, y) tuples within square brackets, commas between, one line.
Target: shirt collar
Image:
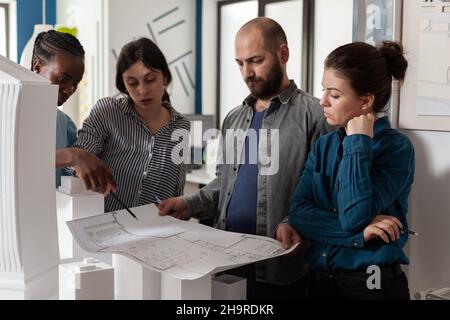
[(283, 97), (380, 125), (127, 106)]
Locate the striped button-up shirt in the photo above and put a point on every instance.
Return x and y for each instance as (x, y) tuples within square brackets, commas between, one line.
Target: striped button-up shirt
[(141, 161)]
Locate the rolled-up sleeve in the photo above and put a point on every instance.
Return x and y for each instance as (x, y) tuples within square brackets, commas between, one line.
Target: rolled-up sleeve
[(93, 133)]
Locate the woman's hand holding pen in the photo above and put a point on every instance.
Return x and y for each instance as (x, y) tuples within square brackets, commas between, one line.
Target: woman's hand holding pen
[(385, 227), (94, 173), (175, 207)]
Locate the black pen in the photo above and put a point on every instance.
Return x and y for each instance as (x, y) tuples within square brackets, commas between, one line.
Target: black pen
[(413, 233), (123, 205)]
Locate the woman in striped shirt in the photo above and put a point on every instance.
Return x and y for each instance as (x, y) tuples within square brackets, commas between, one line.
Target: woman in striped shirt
[(133, 134)]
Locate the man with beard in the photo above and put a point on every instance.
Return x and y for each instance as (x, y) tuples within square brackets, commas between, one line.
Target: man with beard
[(247, 196)]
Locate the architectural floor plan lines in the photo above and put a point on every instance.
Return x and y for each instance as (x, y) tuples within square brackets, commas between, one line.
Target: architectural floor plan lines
[(183, 249)]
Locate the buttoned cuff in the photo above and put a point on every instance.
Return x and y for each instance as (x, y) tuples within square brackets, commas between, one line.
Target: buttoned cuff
[(358, 241), (193, 201)]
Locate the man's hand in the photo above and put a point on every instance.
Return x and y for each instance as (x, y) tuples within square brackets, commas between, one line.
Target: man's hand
[(387, 228), (94, 173), (287, 235), (361, 125), (175, 207)]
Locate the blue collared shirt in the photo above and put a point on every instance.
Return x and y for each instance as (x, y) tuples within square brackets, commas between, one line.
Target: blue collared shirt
[(347, 181)]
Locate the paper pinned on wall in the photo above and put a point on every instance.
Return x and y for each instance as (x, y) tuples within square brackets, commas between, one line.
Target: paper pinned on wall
[(433, 95), (182, 249)]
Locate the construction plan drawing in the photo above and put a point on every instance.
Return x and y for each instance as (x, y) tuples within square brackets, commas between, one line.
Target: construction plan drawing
[(185, 250)]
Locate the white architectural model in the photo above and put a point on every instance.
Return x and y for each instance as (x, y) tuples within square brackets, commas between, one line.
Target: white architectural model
[(89, 279), (28, 230), (74, 201)]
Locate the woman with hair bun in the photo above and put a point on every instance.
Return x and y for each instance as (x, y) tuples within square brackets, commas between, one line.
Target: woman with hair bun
[(351, 201)]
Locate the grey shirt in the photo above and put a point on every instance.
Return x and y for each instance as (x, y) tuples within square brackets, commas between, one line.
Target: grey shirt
[(300, 121)]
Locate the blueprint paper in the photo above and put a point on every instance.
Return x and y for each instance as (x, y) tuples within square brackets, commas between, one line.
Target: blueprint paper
[(182, 249)]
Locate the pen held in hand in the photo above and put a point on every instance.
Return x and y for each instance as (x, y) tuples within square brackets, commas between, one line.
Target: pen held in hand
[(413, 233), (123, 205)]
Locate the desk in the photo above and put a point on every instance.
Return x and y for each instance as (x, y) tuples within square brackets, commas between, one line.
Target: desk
[(196, 178)]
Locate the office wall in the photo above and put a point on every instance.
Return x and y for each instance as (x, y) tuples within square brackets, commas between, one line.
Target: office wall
[(429, 212), (104, 26), (171, 24)]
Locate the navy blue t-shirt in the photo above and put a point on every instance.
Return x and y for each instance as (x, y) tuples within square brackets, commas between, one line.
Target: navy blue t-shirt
[(241, 211)]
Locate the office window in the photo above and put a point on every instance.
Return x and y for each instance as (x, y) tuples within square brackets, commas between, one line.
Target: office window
[(231, 88), (333, 28), (289, 14), (4, 29)]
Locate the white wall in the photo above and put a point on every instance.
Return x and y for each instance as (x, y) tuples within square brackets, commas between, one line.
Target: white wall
[(106, 25), (429, 212), (129, 20)]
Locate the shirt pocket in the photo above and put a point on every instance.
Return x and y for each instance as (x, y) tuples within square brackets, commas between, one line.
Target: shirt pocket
[(322, 190)]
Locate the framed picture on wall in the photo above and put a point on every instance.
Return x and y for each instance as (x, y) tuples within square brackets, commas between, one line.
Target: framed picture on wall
[(376, 20), (373, 22)]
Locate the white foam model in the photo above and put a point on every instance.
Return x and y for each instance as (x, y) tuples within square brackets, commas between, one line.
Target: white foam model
[(177, 289), (89, 279), (74, 201), (133, 281), (28, 229), (229, 287)]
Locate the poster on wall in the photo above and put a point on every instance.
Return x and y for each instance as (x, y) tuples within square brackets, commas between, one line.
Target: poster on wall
[(425, 95), (373, 20), (433, 90)]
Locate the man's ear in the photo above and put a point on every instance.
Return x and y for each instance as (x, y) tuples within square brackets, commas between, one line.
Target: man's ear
[(367, 102), (284, 53)]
